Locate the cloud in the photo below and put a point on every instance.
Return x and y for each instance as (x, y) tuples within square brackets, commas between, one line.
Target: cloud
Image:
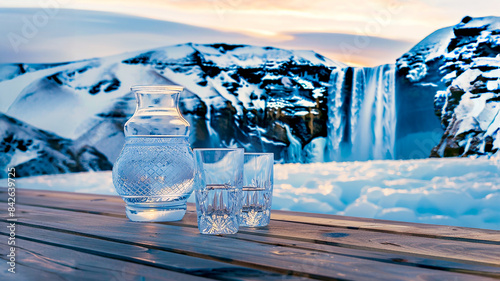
[(352, 49), (356, 32), (75, 35), (409, 20)]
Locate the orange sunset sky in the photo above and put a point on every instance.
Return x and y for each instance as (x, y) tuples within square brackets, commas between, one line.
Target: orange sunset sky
[(356, 32)]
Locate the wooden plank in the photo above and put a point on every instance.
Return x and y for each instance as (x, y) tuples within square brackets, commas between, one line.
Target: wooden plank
[(299, 237), (344, 237), (403, 228), (27, 272), (93, 203), (256, 255), (478, 251), (456, 233), (70, 253), (39, 261)]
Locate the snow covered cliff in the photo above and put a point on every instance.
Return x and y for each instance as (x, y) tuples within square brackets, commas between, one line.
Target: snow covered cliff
[(460, 66), (301, 106), (260, 98)]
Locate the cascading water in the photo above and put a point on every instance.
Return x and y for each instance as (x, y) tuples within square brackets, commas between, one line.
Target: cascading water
[(361, 114)]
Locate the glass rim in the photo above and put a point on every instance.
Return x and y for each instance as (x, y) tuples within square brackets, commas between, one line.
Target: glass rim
[(258, 153), (157, 88)]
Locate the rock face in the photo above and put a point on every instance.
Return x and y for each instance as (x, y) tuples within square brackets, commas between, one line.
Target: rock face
[(461, 67), (259, 98), (470, 109)]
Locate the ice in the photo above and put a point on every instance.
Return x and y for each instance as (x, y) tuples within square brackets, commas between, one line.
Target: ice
[(451, 191)]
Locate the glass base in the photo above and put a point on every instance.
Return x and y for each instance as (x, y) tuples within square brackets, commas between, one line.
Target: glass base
[(218, 224), (252, 218), (156, 214)]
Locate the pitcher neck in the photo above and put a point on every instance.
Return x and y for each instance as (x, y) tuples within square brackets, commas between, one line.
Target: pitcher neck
[(157, 101), (157, 97)]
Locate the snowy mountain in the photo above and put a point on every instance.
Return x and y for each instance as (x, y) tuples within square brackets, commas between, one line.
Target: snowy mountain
[(34, 152), (460, 67), (260, 98), (299, 105)]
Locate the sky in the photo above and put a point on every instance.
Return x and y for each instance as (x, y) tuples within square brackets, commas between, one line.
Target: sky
[(356, 32)]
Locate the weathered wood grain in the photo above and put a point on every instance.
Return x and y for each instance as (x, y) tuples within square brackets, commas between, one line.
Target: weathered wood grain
[(318, 242), (40, 261), (295, 240), (403, 228), (187, 241), (75, 252), (364, 239)]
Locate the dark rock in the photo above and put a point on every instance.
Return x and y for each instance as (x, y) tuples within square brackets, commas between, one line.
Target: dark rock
[(477, 88), (466, 19), (468, 31)]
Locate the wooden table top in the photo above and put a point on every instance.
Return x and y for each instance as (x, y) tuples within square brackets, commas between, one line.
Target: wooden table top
[(73, 236)]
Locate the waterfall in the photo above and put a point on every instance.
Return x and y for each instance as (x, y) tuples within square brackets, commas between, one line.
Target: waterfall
[(294, 151), (361, 114)]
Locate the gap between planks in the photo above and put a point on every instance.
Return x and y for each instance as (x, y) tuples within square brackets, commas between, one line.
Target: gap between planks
[(110, 219), (389, 246), (114, 199), (402, 228)]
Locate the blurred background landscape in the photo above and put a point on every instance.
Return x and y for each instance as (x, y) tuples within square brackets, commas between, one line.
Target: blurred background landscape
[(385, 109)]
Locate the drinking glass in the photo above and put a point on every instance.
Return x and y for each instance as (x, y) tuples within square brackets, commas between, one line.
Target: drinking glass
[(218, 189), (257, 189)]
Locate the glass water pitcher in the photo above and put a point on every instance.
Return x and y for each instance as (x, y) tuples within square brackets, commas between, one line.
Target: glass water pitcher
[(154, 172)]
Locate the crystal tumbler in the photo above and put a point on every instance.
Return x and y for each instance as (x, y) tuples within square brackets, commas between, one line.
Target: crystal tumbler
[(218, 188), (257, 189)]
